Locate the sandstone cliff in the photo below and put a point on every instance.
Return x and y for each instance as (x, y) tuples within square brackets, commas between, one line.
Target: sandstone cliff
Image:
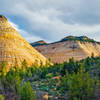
[(13, 48), (61, 51)]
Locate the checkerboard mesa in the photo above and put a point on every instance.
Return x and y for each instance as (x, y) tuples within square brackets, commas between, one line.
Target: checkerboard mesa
[(13, 48), (61, 51)]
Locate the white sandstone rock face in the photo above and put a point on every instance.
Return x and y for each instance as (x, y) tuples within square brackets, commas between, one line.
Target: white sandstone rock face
[(60, 52)]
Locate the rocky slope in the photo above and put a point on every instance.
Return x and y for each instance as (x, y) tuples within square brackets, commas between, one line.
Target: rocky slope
[(13, 48), (77, 47)]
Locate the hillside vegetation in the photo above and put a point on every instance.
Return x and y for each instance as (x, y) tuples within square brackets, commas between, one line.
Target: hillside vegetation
[(78, 38), (73, 80), (38, 43)]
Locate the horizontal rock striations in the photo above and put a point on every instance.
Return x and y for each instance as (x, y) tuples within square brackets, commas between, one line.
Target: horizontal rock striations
[(13, 48), (62, 51)]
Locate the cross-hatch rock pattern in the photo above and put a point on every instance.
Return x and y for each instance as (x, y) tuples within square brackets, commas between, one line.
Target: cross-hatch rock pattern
[(60, 52), (13, 48)]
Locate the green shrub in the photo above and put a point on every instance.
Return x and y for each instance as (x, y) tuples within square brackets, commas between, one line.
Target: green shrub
[(2, 97), (26, 92), (50, 75), (4, 67), (80, 85)]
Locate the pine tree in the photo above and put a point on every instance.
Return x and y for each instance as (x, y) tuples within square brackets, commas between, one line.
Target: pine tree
[(26, 92), (80, 85)]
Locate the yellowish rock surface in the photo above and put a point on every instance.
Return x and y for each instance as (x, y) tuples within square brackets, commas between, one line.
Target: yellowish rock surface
[(14, 48)]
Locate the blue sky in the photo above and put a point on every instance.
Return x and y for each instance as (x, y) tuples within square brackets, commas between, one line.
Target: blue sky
[(52, 20)]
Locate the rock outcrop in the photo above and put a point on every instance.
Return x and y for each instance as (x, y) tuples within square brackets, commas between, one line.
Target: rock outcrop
[(77, 47), (13, 48)]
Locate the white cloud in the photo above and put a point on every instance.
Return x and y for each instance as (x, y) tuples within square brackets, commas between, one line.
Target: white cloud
[(16, 27), (53, 19), (24, 33), (32, 39)]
